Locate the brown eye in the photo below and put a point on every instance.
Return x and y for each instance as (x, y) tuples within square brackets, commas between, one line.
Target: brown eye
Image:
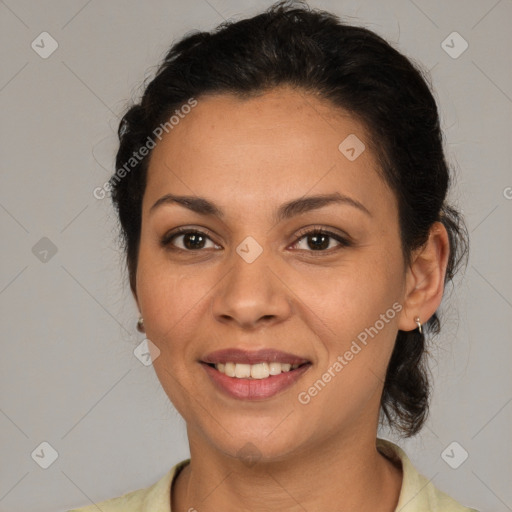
[(320, 240), (188, 240)]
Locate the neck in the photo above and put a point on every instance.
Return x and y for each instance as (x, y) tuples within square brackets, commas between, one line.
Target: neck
[(349, 475)]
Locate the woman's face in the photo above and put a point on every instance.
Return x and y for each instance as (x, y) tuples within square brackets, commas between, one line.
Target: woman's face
[(253, 279)]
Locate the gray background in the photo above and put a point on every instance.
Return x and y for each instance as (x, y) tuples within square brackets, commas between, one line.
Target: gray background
[(68, 373)]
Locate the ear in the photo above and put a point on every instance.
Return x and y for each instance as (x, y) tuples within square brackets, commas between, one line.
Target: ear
[(133, 289), (136, 299), (425, 279)]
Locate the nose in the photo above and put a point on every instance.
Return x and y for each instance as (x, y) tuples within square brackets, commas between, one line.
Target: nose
[(251, 295)]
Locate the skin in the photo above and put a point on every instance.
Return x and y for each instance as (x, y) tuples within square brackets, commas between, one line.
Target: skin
[(249, 157)]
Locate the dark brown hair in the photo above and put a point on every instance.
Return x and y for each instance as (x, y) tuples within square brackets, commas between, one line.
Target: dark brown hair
[(353, 68)]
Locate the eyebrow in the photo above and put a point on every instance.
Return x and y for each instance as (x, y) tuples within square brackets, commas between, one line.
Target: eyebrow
[(287, 210)]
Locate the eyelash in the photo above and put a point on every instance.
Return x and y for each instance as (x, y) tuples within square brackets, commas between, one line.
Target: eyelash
[(343, 242)]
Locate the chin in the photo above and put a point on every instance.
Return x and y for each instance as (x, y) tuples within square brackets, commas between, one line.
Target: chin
[(251, 443)]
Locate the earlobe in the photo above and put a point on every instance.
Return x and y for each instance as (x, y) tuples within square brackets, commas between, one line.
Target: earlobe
[(133, 289), (140, 321), (140, 324), (135, 298), (425, 279)]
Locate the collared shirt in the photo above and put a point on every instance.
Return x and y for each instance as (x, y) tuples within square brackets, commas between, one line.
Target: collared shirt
[(417, 494)]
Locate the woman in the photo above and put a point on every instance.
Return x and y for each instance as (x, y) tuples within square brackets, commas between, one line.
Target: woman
[(281, 191)]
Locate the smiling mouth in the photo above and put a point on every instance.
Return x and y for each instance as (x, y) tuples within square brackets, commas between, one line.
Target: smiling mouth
[(256, 371)]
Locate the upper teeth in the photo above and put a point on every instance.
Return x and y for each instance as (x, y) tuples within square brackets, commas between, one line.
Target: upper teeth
[(256, 371)]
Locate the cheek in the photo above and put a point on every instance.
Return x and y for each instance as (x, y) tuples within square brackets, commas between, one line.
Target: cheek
[(360, 306), (362, 326), (162, 294), (352, 297), (173, 300), (167, 300)]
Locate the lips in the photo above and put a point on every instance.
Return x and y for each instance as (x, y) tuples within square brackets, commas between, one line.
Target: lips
[(232, 371), (254, 389), (233, 355)]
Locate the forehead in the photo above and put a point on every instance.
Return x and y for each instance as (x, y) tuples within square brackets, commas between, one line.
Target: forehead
[(283, 142)]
